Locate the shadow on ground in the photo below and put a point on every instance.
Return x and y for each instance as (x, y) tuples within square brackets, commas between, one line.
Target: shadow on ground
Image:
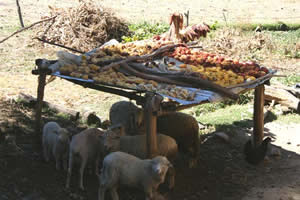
[(222, 172)]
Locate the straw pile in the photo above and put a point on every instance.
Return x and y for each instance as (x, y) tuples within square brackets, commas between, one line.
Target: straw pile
[(239, 45), (83, 28)]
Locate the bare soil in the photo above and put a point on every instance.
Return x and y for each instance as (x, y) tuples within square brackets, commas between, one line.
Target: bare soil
[(227, 11), (222, 172)]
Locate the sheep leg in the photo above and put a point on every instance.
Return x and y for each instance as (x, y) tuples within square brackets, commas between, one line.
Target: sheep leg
[(101, 193), (69, 170), (149, 193), (65, 163), (58, 163), (114, 194), (45, 151), (97, 166), (82, 167)]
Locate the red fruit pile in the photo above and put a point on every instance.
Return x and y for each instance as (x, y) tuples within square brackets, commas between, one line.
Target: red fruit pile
[(205, 59)]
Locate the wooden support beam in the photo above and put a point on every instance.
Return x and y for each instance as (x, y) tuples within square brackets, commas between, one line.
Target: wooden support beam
[(130, 95), (258, 116), (40, 97), (151, 108)]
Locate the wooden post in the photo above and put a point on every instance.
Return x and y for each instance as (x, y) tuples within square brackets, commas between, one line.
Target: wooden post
[(40, 97), (258, 116), (187, 14), (152, 107), (20, 14)]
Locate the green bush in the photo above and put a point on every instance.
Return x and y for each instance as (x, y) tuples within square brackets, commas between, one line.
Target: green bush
[(144, 30)]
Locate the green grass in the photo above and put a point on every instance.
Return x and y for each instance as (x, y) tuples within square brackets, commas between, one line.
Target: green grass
[(268, 27), (286, 42), (145, 30), (252, 26), (289, 118), (226, 116), (290, 80)]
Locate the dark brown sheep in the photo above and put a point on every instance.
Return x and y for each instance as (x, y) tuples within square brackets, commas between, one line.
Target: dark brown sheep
[(184, 129)]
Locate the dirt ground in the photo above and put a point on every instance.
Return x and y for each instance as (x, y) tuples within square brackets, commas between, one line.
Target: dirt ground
[(221, 174), (230, 11)]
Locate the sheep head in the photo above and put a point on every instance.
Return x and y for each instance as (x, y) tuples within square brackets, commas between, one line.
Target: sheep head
[(159, 167)]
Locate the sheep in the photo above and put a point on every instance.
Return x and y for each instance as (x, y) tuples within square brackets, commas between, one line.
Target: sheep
[(184, 129), (137, 145), (85, 148), (125, 169), (127, 114), (56, 142)]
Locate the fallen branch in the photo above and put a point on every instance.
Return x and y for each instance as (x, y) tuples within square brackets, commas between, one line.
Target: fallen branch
[(59, 109), (59, 45), (27, 27)]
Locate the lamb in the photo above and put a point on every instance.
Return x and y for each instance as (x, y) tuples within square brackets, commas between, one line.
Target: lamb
[(136, 145), (85, 148), (56, 142), (184, 129), (127, 114), (125, 169)]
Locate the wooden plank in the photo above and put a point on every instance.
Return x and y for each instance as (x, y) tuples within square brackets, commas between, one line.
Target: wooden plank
[(258, 130), (282, 96), (151, 108)]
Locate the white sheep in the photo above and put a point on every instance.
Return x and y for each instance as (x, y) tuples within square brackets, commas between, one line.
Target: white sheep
[(120, 168), (56, 142), (137, 146), (85, 148)]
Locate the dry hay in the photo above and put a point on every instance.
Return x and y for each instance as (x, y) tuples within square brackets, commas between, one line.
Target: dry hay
[(83, 28), (235, 43)]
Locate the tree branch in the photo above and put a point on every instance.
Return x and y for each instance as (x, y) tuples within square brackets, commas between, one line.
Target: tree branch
[(59, 45), (25, 28)]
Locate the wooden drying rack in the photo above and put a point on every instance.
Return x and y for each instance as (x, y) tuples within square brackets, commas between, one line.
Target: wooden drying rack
[(153, 107)]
